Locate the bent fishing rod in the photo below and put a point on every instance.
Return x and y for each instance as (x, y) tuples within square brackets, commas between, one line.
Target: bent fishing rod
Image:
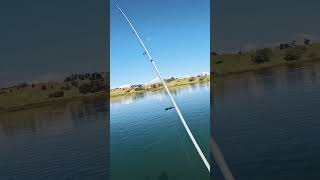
[(167, 90)]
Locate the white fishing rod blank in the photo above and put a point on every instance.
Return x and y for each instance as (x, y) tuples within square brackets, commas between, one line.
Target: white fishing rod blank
[(168, 92)]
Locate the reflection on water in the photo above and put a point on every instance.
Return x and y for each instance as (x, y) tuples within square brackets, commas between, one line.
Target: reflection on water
[(64, 141), (160, 95), (266, 123), (148, 142)]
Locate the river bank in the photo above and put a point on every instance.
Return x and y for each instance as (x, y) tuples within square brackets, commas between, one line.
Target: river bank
[(24, 97), (171, 83), (230, 64)]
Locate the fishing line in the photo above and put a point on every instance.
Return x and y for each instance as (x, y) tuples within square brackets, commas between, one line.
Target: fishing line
[(205, 161)]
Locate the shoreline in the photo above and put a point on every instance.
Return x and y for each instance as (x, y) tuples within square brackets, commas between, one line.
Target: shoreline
[(158, 89), (264, 67), (185, 82), (52, 102)]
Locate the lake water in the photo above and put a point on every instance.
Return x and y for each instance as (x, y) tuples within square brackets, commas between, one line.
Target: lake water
[(63, 141), (149, 143), (268, 123)]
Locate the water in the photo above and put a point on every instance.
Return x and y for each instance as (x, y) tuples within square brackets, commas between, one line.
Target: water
[(62, 141), (268, 123), (149, 143)]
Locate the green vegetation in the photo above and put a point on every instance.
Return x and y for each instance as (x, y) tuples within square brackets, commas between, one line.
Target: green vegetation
[(171, 83), (285, 54), (75, 87), (25, 96)]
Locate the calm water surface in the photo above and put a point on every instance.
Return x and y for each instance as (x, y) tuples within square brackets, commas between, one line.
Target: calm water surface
[(62, 141), (149, 143), (268, 123)]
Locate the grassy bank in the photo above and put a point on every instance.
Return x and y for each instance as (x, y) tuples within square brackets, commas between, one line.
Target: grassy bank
[(171, 83), (37, 95), (227, 64)]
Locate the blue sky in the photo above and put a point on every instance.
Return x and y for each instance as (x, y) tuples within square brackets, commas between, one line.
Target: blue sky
[(176, 32), (249, 24), (47, 40)]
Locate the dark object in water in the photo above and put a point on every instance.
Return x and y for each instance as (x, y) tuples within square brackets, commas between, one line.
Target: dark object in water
[(168, 108)]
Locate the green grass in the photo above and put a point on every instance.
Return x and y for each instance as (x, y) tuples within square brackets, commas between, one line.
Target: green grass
[(14, 98), (235, 63), (28, 97), (171, 84)]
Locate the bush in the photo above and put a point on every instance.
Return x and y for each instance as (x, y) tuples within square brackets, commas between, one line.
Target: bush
[(153, 86), (67, 79), (171, 79), (56, 94), (192, 79), (93, 87), (44, 87), (294, 53), (261, 55)]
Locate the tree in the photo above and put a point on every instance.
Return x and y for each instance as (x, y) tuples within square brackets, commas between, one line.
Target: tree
[(67, 79), (92, 87), (153, 86), (44, 87), (261, 55), (192, 79), (170, 79)]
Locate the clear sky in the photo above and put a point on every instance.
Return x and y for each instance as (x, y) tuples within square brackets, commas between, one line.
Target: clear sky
[(176, 32), (253, 23), (48, 39)]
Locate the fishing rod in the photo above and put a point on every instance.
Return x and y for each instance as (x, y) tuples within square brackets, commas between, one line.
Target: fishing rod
[(167, 90)]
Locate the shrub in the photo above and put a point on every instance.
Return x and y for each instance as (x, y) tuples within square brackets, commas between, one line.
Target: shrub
[(170, 79), (153, 86), (93, 87), (192, 79), (56, 94), (294, 53), (44, 87), (261, 55), (67, 79)]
